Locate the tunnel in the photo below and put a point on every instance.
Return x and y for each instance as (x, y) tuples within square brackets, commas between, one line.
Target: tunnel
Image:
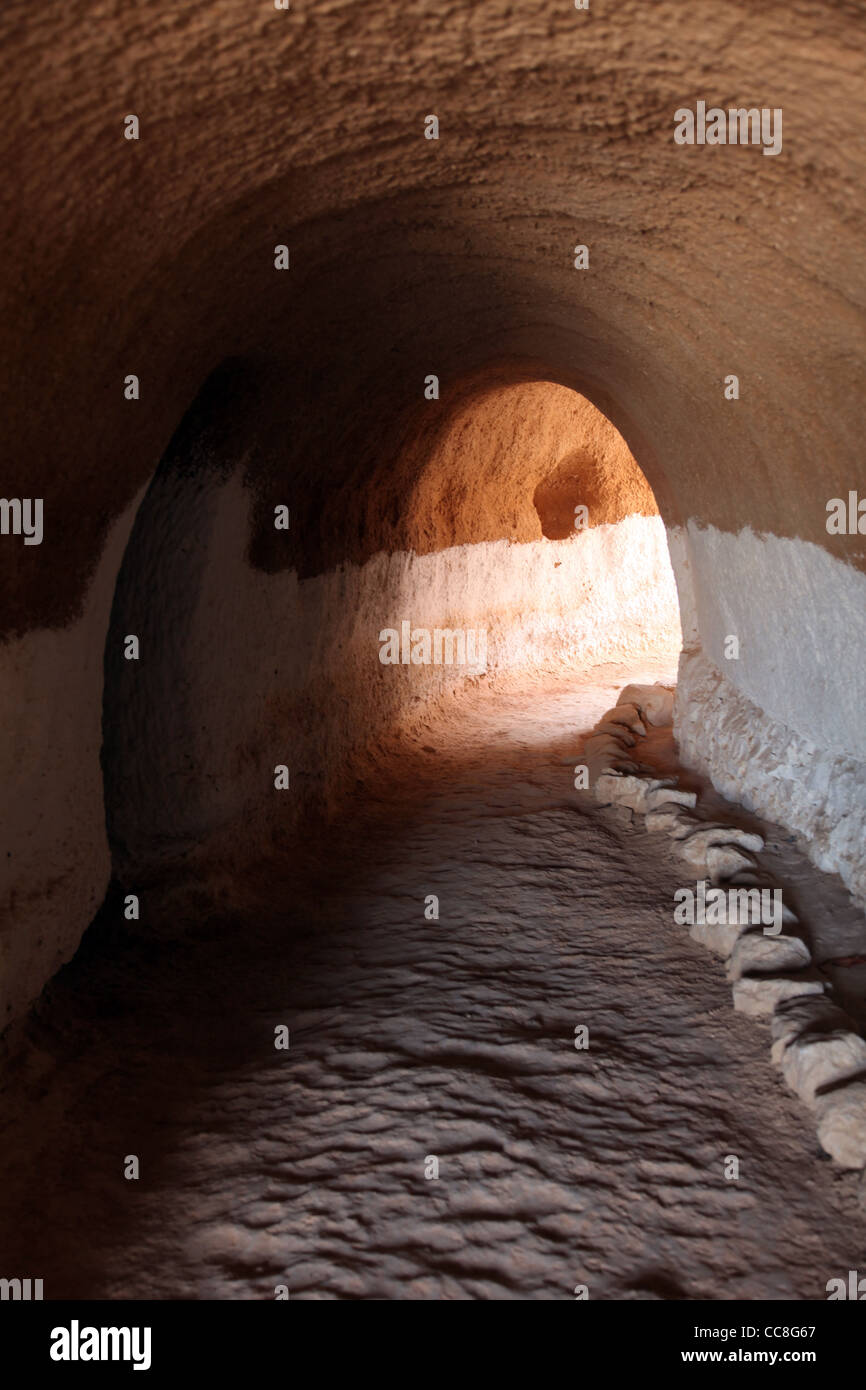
[(434, 788)]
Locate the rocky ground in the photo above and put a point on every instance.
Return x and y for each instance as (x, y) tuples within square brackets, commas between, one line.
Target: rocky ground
[(413, 1039)]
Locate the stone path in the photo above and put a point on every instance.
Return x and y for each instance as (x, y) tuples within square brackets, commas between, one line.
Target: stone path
[(413, 1039)]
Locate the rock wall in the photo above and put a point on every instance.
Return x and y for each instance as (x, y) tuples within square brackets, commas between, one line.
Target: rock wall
[(56, 861), (775, 718), (770, 768)]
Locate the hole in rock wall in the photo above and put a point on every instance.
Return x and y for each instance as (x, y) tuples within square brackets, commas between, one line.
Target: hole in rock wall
[(607, 495)]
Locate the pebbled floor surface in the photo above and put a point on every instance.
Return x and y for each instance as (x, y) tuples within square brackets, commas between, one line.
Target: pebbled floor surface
[(413, 1039)]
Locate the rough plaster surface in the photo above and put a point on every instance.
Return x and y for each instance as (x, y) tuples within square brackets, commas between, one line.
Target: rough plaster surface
[(55, 864), (766, 765), (800, 617)]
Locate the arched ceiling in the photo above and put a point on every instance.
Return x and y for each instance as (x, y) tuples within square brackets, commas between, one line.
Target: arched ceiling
[(408, 256)]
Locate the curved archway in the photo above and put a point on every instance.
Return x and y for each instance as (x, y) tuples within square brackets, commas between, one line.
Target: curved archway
[(241, 668)]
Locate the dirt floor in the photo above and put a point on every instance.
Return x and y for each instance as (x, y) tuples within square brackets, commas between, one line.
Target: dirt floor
[(413, 1039)]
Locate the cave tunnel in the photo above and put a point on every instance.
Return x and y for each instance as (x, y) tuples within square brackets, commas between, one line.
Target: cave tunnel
[(434, 790)]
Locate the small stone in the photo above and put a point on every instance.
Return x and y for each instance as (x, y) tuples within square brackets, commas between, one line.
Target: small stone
[(655, 702), (665, 818), (724, 860), (759, 995), (719, 937), (617, 731), (603, 786), (842, 1124), (813, 1014), (756, 954), (815, 1061), (694, 847), (629, 715), (670, 796), (632, 791), (749, 878)]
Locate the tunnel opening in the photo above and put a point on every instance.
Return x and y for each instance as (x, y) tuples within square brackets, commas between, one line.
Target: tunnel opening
[(527, 521), (529, 547)]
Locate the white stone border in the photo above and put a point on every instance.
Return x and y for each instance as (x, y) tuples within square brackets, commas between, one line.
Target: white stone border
[(821, 1054)]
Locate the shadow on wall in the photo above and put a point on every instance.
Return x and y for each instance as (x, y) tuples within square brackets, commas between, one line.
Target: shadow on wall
[(159, 794)]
